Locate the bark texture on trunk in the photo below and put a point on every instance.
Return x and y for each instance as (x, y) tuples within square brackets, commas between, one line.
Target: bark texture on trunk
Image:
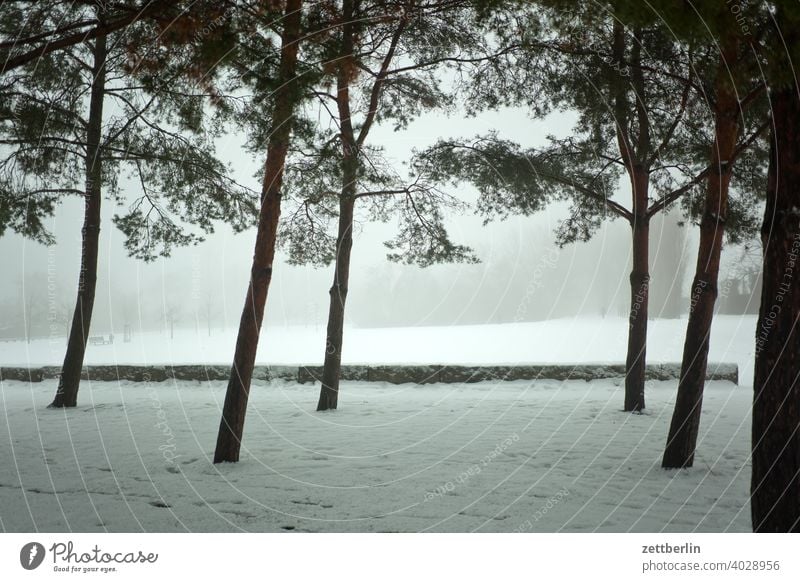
[(231, 426), (640, 285), (329, 389), (682, 438), (634, 148), (775, 485), (69, 381)]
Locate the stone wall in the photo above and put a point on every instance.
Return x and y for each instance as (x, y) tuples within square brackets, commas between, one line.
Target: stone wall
[(399, 374)]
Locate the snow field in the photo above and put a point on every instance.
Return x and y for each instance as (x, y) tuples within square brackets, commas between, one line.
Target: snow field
[(494, 457)]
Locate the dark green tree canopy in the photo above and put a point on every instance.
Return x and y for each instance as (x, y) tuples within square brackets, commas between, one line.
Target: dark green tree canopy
[(642, 97), (402, 52), (155, 133), (32, 30)]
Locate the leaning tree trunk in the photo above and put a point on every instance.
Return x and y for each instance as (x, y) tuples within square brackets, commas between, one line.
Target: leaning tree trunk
[(231, 428), (67, 391), (329, 391), (682, 439), (640, 285), (775, 485)]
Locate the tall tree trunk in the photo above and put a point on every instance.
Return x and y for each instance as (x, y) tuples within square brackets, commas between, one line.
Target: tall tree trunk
[(775, 486), (329, 390), (69, 381), (634, 159), (231, 428), (682, 439), (640, 284)]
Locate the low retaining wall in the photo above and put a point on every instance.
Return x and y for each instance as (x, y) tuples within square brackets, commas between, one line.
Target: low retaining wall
[(399, 374)]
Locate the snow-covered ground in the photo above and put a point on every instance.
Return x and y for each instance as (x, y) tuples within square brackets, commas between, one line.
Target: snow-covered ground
[(579, 340), (507, 456), (515, 456)]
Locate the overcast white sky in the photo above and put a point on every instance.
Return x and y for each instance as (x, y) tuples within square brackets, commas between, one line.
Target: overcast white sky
[(517, 254)]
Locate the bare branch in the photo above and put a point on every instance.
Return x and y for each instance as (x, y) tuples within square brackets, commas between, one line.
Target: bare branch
[(378, 85)]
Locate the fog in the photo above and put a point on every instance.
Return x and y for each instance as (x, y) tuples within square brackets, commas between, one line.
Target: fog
[(523, 275)]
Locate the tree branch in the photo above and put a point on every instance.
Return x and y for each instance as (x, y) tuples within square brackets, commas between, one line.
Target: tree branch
[(668, 199), (378, 85), (10, 63), (675, 122)]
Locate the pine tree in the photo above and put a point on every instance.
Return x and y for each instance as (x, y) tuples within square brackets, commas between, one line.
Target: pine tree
[(382, 63), (632, 87), (775, 485), (735, 96), (64, 141), (285, 99), (32, 30)]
